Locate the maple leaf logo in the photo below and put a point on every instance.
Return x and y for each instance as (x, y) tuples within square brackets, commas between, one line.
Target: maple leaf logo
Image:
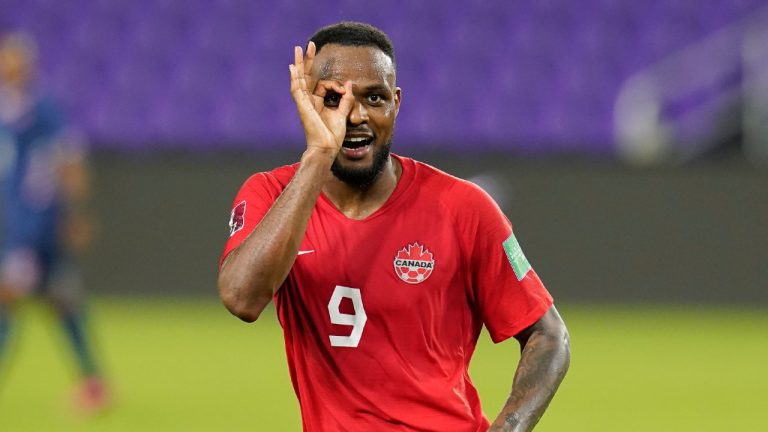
[(414, 263)]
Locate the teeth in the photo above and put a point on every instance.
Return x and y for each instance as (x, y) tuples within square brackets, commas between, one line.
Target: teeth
[(356, 139)]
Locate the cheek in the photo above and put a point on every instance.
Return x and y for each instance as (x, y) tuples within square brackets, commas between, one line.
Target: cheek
[(385, 122), (388, 114)]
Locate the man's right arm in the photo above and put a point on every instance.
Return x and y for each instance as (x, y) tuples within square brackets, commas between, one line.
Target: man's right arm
[(251, 274)]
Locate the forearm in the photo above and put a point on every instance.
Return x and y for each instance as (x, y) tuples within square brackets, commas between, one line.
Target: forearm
[(253, 272), (543, 364), (75, 186), (77, 220)]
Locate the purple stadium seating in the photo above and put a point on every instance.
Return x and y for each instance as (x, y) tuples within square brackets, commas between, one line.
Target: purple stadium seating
[(490, 74)]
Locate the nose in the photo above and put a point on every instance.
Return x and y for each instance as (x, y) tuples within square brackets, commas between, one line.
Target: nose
[(358, 115)]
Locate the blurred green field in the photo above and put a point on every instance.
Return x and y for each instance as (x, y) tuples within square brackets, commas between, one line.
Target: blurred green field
[(186, 365)]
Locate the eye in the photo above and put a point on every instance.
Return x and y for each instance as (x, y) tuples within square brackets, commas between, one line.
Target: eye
[(375, 99), (332, 99)]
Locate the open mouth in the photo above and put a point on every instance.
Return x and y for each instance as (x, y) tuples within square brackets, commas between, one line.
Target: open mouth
[(356, 142)]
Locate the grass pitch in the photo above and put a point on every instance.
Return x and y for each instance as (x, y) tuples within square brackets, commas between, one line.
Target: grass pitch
[(186, 365)]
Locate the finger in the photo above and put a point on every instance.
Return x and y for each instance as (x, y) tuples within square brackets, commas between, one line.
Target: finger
[(294, 78), (337, 119), (338, 87), (298, 61), (298, 58), (298, 93), (323, 87), (310, 58), (319, 95), (347, 99), (308, 114)]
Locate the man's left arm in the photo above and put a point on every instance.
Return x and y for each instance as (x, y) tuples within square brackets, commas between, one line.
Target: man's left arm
[(75, 186), (543, 363)]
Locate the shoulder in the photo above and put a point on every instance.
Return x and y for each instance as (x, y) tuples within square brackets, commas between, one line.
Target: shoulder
[(428, 176), (470, 208), (276, 179), (453, 192)]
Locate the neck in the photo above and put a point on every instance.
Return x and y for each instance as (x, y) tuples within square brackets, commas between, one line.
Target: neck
[(359, 203)]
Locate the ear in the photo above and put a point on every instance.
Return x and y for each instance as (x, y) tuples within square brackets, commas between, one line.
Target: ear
[(398, 96)]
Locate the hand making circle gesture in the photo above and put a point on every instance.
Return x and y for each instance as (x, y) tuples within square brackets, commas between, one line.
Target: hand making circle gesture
[(324, 124)]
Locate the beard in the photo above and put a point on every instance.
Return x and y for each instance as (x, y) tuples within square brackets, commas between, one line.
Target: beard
[(363, 177)]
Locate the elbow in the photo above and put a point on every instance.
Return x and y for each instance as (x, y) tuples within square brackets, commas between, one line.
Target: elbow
[(247, 310), (564, 342), (245, 313), (247, 307), (556, 337), (560, 340)]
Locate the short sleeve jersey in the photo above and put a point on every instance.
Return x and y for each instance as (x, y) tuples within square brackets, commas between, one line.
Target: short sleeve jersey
[(32, 148), (381, 316)]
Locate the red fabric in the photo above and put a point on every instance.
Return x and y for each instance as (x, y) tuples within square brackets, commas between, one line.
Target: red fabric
[(408, 371)]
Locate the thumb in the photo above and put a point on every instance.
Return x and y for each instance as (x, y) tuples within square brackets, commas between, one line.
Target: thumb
[(347, 100)]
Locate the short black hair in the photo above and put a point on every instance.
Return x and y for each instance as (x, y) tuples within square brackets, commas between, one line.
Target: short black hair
[(350, 33)]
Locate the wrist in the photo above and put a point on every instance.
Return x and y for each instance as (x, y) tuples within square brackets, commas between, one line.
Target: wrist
[(319, 156)]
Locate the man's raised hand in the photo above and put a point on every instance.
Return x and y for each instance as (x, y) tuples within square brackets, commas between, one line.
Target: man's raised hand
[(325, 125)]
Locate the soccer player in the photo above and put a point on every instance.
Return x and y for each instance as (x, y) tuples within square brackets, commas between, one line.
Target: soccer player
[(44, 208), (383, 269)]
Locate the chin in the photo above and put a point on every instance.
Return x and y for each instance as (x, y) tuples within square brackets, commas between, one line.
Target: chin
[(363, 172)]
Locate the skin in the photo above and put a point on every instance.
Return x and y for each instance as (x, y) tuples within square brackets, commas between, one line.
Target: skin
[(375, 104), (333, 92), (544, 360), (16, 63), (347, 90), (15, 73)]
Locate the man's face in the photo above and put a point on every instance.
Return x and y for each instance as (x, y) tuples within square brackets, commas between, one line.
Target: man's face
[(371, 122), (15, 66)]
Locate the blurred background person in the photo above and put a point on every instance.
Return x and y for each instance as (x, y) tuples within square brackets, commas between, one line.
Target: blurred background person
[(45, 209)]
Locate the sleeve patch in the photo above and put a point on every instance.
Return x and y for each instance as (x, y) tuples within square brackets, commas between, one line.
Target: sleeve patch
[(516, 258), (237, 218)]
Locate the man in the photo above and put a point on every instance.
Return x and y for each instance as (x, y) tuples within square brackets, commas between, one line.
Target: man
[(383, 269), (44, 208)]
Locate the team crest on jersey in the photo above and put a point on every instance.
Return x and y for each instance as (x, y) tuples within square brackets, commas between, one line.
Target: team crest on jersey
[(237, 218), (414, 263)]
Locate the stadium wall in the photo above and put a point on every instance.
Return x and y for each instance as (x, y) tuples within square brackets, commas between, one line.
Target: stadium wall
[(595, 231)]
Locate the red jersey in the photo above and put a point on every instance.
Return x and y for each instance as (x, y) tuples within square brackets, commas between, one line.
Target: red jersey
[(381, 315)]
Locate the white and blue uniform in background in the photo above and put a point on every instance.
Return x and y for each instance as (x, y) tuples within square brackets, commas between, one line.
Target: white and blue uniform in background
[(34, 146), (31, 147)]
